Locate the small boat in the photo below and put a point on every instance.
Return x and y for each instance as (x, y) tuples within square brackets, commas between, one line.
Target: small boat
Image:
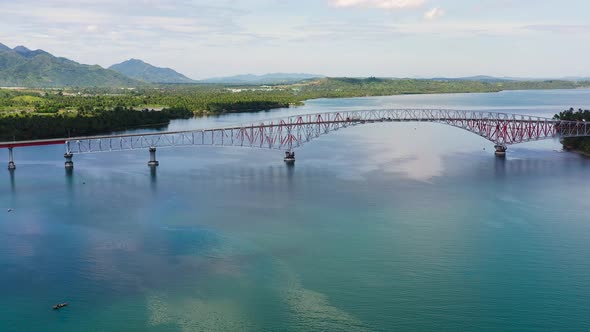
[(60, 305), (9, 210)]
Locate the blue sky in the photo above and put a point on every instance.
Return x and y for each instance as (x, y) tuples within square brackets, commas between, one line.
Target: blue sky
[(399, 38)]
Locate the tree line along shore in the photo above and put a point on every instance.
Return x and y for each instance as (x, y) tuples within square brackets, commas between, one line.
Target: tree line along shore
[(53, 113)]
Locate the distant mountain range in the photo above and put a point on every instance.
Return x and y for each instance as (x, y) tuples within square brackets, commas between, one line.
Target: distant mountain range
[(139, 70), (274, 78), (575, 78), (21, 66), (479, 78), (492, 79)]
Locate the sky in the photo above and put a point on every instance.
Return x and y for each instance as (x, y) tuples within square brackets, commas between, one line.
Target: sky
[(385, 38)]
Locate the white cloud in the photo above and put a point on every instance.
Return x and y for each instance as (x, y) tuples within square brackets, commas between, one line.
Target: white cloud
[(92, 28), (434, 13), (382, 4)]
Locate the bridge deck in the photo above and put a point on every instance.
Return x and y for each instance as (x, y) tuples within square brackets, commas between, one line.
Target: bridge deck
[(500, 128), (40, 142)]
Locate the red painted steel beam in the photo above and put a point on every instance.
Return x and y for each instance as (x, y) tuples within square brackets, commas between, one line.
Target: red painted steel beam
[(30, 143)]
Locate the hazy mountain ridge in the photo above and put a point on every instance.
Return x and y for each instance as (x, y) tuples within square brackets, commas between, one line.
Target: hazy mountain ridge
[(4, 47), (140, 70), (24, 67), (21, 66), (479, 78), (491, 79), (272, 78)]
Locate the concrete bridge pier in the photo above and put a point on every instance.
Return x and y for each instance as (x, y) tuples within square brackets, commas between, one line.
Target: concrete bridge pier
[(289, 157), (11, 164), (153, 162), (501, 150), (69, 163)]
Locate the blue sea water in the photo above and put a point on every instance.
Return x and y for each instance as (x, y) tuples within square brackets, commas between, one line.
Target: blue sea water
[(391, 226)]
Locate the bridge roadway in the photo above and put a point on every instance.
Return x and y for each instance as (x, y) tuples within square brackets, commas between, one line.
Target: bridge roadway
[(502, 129)]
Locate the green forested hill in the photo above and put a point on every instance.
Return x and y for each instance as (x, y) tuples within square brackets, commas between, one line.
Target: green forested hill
[(142, 71), (23, 67)]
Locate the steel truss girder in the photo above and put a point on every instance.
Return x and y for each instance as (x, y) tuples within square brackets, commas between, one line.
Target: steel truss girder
[(294, 131)]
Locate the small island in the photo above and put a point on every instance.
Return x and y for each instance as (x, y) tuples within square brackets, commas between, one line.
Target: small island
[(579, 144)]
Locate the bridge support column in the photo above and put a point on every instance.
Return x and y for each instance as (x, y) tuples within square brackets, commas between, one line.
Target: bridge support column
[(11, 164), (153, 162), (69, 163), (501, 150), (289, 157)]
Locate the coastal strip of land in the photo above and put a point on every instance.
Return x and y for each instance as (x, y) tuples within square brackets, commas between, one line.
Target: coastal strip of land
[(49, 113)]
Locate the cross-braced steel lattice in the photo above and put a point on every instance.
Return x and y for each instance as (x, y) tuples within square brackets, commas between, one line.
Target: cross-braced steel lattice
[(288, 133)]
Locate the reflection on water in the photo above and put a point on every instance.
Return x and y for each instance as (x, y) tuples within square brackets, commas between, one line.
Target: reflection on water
[(69, 174), (153, 177), (500, 166), (12, 182)]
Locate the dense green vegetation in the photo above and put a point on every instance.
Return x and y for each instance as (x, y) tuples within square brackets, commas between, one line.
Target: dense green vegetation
[(210, 99), (28, 125), (43, 113), (581, 144), (197, 99)]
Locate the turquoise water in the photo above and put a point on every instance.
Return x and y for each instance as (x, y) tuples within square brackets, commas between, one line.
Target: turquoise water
[(381, 227)]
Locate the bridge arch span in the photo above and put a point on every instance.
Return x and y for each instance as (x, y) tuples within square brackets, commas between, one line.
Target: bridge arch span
[(289, 133)]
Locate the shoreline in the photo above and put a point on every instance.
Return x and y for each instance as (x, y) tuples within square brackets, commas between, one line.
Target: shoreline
[(580, 152)]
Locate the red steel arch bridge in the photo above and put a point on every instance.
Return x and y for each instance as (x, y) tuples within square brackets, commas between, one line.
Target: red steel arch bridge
[(289, 133)]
